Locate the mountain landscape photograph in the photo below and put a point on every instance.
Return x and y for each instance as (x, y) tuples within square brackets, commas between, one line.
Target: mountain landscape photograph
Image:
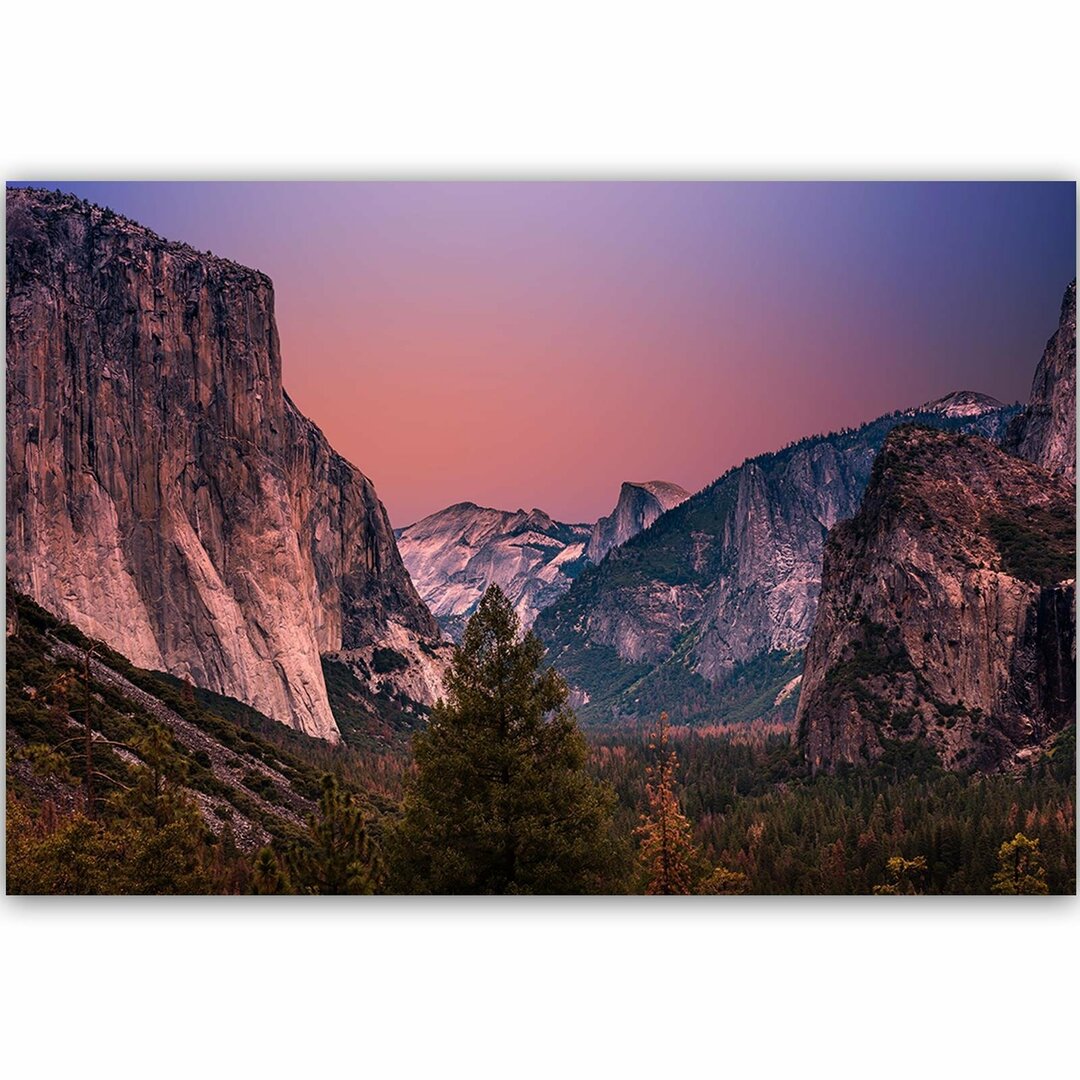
[(550, 538)]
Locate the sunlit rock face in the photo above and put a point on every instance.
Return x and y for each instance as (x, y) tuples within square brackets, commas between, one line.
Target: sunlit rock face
[(163, 494)]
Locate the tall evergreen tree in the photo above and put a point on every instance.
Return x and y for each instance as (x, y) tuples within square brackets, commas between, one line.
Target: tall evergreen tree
[(501, 801), (267, 876)]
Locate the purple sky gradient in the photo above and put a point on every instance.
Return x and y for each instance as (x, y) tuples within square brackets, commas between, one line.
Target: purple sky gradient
[(535, 344)]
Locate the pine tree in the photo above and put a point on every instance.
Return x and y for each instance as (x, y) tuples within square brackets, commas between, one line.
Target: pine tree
[(501, 801), (160, 827), (1020, 868), (668, 856), (338, 855), (267, 876), (151, 795)]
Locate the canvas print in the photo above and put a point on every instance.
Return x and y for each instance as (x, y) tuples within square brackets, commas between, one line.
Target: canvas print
[(541, 538)]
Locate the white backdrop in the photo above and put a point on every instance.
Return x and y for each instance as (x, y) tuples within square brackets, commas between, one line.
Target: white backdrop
[(543, 988)]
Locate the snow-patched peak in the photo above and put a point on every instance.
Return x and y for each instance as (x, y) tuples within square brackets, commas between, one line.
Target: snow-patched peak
[(455, 554), (962, 403)]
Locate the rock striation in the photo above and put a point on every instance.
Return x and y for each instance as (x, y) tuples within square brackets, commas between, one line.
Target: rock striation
[(639, 505), (947, 614), (1046, 430), (163, 493)]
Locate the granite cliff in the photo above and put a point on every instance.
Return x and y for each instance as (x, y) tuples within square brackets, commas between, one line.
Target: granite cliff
[(163, 493), (1046, 430), (639, 505), (947, 611)]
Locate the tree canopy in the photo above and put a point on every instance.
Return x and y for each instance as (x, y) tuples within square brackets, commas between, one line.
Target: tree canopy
[(1020, 868), (501, 801)]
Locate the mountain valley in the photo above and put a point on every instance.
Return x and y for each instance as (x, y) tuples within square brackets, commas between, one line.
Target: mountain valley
[(845, 666)]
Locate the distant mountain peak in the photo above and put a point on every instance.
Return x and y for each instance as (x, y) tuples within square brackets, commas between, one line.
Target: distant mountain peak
[(455, 554), (538, 519), (667, 492), (640, 503), (962, 403)]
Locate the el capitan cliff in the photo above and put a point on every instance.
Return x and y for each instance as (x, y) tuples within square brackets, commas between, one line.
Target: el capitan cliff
[(163, 493)]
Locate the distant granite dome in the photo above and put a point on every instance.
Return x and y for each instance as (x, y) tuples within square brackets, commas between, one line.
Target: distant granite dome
[(639, 505)]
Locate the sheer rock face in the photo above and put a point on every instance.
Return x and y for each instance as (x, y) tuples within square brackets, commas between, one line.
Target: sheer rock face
[(455, 554), (163, 494), (354, 567), (947, 610), (639, 505), (1046, 430)]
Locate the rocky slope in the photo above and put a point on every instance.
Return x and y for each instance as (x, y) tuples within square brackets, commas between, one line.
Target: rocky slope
[(366, 606), (639, 505), (455, 554), (162, 492), (1046, 430), (705, 613), (947, 610), (248, 774)]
